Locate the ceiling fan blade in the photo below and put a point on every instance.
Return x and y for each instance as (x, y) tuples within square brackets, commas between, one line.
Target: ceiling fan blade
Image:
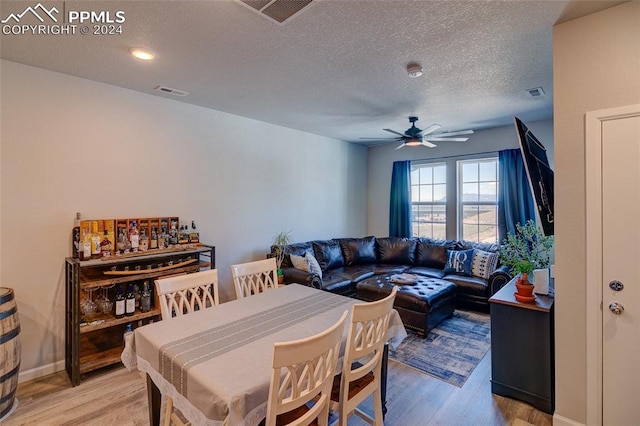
[(461, 132), (381, 139), (395, 133), (428, 144), (401, 146), (438, 139), (432, 128)]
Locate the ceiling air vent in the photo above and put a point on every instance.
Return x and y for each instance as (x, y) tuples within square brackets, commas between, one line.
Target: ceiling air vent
[(171, 91), (536, 92), (278, 11)]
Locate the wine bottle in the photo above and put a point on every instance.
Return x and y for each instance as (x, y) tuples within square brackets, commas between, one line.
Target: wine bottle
[(145, 298), (120, 303), (76, 246), (130, 301)]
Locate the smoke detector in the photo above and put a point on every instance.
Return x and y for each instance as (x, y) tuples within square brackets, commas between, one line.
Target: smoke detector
[(414, 70)]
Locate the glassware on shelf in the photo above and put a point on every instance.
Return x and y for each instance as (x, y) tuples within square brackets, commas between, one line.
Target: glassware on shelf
[(104, 303), (88, 306)]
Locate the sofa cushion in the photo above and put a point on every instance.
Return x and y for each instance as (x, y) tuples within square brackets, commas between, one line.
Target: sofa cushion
[(468, 285), (306, 263), (353, 273), (328, 253), (396, 251), (426, 271), (358, 251), (459, 262), (432, 253), (466, 245), (483, 263)]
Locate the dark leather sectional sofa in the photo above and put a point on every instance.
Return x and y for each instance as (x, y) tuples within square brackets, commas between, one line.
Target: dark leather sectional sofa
[(347, 261)]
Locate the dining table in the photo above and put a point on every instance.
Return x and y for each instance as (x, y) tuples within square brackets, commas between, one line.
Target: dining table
[(216, 363)]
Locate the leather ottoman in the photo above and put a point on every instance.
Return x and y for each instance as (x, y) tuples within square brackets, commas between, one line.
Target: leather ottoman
[(421, 306)]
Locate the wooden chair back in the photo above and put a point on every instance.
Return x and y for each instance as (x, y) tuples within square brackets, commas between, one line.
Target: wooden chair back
[(254, 277), (182, 294)]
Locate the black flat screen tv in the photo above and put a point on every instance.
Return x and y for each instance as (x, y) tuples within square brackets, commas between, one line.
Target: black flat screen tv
[(539, 173)]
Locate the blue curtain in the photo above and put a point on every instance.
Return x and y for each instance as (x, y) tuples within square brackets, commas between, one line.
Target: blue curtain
[(515, 203), (400, 204)]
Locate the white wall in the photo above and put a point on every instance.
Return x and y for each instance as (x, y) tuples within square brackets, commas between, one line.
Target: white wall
[(69, 144), (596, 66), (381, 158)]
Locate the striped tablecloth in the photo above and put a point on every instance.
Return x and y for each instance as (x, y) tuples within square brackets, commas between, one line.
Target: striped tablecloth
[(216, 363)]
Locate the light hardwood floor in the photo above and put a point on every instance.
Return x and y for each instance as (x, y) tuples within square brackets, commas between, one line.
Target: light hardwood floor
[(118, 397)]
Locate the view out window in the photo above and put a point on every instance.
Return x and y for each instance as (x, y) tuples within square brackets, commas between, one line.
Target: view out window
[(478, 200), (428, 200)]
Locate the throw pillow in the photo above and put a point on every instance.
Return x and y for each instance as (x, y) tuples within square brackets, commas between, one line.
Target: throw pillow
[(483, 263), (459, 262), (299, 262), (314, 266), (306, 263)]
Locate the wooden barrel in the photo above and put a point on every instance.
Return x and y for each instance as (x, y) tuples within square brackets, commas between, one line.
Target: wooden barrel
[(9, 350)]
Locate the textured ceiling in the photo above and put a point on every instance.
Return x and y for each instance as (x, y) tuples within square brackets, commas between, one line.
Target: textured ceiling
[(336, 69)]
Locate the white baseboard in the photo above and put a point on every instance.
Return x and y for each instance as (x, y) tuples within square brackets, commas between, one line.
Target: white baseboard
[(564, 421), (44, 370)]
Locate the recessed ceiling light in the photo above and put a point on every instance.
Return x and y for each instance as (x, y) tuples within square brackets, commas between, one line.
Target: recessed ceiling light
[(414, 70), (143, 54)]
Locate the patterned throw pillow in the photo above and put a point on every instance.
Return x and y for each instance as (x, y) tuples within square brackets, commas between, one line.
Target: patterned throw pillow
[(306, 263), (459, 262), (484, 263)]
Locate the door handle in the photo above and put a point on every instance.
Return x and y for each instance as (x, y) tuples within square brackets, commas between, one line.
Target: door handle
[(616, 308)]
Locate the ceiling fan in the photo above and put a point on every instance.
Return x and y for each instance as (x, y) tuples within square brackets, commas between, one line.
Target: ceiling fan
[(415, 136)]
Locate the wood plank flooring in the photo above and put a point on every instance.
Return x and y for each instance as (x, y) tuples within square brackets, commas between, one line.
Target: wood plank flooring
[(117, 397)]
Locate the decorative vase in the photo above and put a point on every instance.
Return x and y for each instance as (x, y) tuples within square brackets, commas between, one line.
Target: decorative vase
[(541, 281)]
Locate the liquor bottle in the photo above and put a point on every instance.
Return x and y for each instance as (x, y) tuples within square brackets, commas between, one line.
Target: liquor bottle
[(134, 237), (163, 238), (143, 241), (105, 245), (130, 301), (136, 294), (153, 242), (145, 298), (96, 238), (173, 233), (86, 243), (76, 241), (183, 235), (120, 303), (194, 235)]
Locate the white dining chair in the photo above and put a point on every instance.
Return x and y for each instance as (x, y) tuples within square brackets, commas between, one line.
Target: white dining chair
[(180, 295), (362, 362), (254, 277), (303, 371)]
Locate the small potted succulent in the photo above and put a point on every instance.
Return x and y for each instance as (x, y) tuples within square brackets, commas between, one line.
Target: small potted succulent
[(524, 251), (281, 239)]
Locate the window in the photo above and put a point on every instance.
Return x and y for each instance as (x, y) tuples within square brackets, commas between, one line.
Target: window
[(428, 200), (478, 200)]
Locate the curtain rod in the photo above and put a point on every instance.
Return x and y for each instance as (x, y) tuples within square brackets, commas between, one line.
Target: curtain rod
[(457, 156)]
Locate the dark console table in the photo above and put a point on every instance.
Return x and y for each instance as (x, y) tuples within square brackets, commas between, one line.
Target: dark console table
[(522, 348)]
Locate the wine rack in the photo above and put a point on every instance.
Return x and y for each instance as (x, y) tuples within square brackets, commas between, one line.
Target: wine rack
[(94, 339)]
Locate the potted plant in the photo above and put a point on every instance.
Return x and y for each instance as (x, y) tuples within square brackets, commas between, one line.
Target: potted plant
[(524, 251), (281, 239)]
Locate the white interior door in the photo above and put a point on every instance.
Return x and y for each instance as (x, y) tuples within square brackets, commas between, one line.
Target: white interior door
[(621, 264)]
